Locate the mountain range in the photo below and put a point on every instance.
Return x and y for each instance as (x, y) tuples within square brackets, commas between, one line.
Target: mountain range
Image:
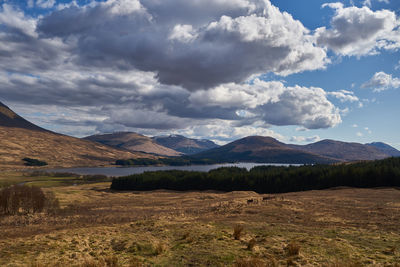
[(171, 145), (261, 149), (20, 138), (268, 149)]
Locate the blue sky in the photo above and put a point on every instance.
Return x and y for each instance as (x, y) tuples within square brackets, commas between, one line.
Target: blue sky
[(298, 70), (380, 113)]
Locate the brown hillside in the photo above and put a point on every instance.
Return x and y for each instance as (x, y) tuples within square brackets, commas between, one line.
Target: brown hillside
[(344, 150), (55, 149), (133, 142), (20, 138), (9, 118)]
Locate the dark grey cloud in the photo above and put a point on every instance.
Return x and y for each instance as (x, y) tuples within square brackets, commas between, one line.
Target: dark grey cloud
[(149, 66), (251, 37)]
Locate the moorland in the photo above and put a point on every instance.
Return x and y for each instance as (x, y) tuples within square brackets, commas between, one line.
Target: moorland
[(97, 226)]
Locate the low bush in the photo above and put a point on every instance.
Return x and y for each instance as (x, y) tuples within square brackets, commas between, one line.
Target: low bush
[(237, 231), (293, 249), (251, 244), (26, 199)]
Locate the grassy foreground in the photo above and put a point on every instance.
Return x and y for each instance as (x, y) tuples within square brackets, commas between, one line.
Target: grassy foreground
[(99, 227)]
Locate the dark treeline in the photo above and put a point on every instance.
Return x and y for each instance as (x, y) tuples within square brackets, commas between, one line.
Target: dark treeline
[(34, 162), (269, 179)]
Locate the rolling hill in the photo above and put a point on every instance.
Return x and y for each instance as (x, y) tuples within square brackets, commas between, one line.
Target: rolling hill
[(20, 138), (343, 151), (385, 148), (183, 144), (261, 149), (133, 142)]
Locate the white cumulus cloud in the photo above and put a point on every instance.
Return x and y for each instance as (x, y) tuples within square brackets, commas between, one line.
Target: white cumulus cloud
[(381, 81), (358, 31), (344, 96), (45, 3)]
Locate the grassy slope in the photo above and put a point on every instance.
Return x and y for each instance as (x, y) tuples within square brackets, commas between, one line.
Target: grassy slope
[(133, 142), (55, 149), (168, 228)]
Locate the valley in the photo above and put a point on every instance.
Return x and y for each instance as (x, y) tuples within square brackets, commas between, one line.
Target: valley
[(97, 226)]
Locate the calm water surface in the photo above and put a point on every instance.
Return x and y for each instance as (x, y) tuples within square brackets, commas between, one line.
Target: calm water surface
[(123, 171)]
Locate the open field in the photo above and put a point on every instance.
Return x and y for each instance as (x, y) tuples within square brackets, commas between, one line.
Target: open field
[(341, 227)]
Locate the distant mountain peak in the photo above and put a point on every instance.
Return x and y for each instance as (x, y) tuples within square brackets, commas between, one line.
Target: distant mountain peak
[(134, 142), (184, 144), (263, 149), (378, 144), (385, 148), (257, 140)]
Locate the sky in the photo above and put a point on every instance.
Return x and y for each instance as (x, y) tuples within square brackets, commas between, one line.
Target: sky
[(297, 70)]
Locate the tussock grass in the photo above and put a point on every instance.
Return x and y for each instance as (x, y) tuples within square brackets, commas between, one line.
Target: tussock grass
[(249, 262), (251, 244), (293, 249), (238, 231)]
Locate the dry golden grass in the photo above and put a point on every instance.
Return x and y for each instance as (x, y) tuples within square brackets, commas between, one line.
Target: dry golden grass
[(134, 142), (166, 228), (56, 150)]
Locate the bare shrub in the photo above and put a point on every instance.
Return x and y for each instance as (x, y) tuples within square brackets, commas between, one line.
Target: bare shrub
[(52, 205), (134, 262), (237, 231), (347, 264), (272, 262), (36, 264), (92, 263), (21, 198), (251, 244), (249, 262), (159, 249), (293, 249), (144, 249), (185, 236), (118, 245), (111, 261)]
